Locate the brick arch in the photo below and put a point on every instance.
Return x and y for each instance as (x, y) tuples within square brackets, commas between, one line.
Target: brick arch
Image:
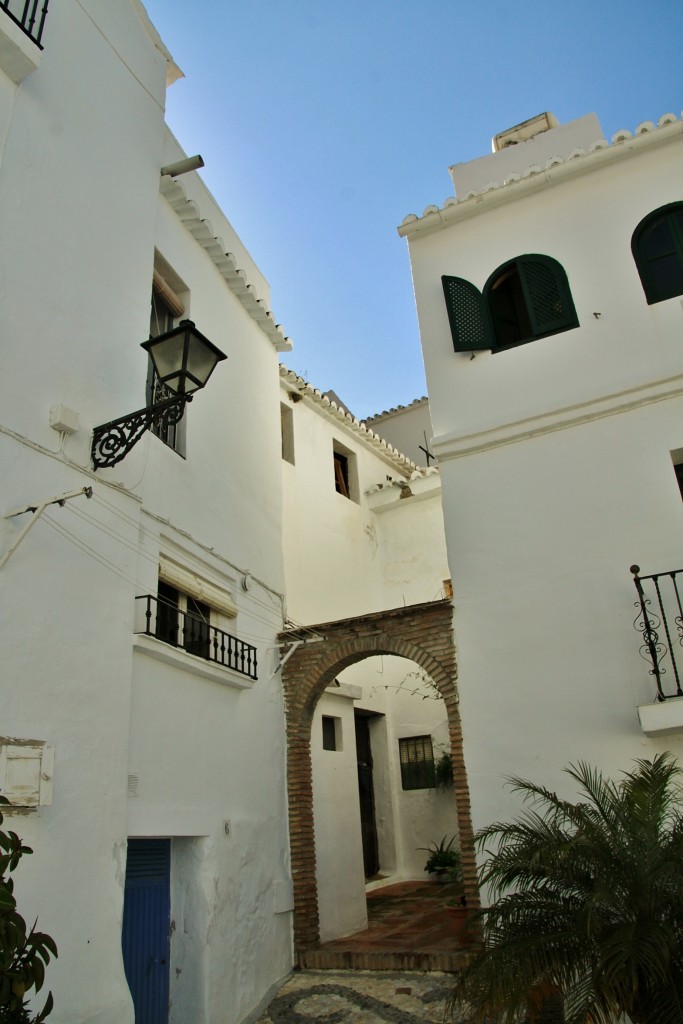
[(421, 633)]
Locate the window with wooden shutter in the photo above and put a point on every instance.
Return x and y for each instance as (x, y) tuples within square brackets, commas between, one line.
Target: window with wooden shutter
[(345, 469), (528, 298), (657, 247), (467, 315)]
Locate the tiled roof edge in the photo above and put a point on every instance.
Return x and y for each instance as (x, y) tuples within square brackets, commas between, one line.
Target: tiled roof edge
[(397, 408), (644, 128), (189, 214), (358, 427)]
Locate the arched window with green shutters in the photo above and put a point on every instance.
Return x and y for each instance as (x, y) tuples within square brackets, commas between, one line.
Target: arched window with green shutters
[(657, 247), (524, 299), (529, 298)]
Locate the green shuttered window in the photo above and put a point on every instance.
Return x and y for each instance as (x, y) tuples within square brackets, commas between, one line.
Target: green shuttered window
[(524, 299), (657, 247)]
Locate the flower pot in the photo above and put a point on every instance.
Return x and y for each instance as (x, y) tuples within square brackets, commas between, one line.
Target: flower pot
[(460, 917)]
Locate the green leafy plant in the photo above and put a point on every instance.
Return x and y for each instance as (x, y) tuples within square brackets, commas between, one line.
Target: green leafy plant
[(23, 954), (443, 770), (442, 857), (587, 920)]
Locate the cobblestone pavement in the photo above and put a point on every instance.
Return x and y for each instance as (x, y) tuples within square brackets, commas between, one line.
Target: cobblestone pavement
[(360, 997)]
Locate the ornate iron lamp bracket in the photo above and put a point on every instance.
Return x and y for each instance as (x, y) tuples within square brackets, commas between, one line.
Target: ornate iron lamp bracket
[(112, 441)]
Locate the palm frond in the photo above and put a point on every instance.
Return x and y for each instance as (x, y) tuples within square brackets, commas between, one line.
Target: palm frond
[(588, 902)]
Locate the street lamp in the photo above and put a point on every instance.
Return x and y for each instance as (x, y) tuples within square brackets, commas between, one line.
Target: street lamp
[(183, 362)]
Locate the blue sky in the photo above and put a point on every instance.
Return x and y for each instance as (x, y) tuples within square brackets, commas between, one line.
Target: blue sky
[(323, 124)]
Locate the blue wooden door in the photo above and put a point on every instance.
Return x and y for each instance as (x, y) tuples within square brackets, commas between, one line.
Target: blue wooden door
[(146, 927)]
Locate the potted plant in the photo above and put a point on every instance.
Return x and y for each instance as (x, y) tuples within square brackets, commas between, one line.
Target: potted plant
[(443, 770), (460, 914), (443, 860)]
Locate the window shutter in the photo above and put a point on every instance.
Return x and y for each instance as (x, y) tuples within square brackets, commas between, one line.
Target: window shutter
[(467, 315), (197, 587), (546, 291), (657, 247)]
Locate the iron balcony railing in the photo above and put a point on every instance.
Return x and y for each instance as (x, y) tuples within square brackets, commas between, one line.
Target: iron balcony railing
[(195, 635), (660, 621), (29, 15)]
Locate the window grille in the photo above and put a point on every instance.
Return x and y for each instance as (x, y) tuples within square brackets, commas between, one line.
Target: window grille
[(417, 762)]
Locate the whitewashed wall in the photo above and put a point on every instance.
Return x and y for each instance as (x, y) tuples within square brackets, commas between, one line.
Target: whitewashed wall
[(82, 217), (408, 428), (346, 558), (556, 468), (338, 847)]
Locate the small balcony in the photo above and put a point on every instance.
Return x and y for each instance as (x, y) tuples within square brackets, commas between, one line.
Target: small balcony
[(21, 32), (29, 15), (195, 635), (660, 623)]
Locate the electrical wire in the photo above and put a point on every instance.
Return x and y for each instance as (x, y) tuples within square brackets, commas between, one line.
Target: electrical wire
[(133, 583)]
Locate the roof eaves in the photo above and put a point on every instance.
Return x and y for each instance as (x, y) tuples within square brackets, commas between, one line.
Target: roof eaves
[(378, 416), (358, 428), (189, 214), (536, 175)]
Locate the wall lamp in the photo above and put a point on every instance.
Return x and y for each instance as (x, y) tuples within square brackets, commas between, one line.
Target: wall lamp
[(183, 361)]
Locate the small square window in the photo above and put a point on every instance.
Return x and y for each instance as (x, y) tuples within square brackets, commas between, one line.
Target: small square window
[(345, 471), (417, 762), (341, 474), (330, 732)]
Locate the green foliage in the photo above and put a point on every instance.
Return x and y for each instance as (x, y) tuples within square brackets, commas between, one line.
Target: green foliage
[(588, 905), (443, 770), (442, 857), (23, 954)]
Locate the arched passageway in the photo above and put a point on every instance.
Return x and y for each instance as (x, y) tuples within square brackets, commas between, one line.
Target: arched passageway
[(423, 634)]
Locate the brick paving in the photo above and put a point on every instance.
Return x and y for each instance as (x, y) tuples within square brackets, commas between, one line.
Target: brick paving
[(409, 922)]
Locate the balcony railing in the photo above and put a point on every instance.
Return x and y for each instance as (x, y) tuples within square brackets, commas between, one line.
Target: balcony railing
[(195, 635), (29, 15), (660, 621)]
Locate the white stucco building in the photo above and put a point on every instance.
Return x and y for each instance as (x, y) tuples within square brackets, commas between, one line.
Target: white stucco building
[(142, 736), (363, 532), (548, 293), (142, 746)]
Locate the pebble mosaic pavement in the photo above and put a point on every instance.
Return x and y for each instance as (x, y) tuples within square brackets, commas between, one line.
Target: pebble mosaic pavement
[(360, 997)]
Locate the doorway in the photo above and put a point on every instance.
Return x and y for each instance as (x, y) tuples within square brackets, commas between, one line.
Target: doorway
[(145, 938), (366, 792)]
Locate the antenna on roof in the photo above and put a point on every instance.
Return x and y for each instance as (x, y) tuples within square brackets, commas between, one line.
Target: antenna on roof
[(426, 450)]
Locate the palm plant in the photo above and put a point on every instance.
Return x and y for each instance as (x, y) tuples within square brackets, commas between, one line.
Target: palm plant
[(588, 905)]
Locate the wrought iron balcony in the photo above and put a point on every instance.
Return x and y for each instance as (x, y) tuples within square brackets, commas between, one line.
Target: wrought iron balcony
[(660, 621), (29, 15), (194, 634)]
